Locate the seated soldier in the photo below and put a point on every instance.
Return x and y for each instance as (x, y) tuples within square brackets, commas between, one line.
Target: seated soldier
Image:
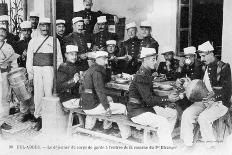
[(191, 67), (115, 64), (217, 79), (170, 66), (94, 100), (68, 79), (144, 107)]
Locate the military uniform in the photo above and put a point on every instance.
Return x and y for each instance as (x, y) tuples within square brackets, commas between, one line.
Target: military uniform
[(62, 44), (194, 71), (144, 105), (173, 74), (92, 16), (66, 86), (217, 78), (149, 42), (40, 68), (94, 96), (6, 51), (81, 41), (132, 48), (100, 38), (20, 47)]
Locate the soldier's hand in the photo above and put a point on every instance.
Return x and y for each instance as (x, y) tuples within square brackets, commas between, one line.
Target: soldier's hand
[(110, 99), (108, 112), (173, 97), (181, 63), (83, 56), (86, 21), (116, 19), (129, 57), (76, 77)]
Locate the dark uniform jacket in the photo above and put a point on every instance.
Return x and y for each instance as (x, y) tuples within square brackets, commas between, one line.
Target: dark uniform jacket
[(81, 41), (132, 48), (66, 86), (94, 80), (141, 89), (20, 47), (194, 71), (92, 16), (100, 38), (62, 45), (173, 74), (149, 42), (12, 39), (220, 76)]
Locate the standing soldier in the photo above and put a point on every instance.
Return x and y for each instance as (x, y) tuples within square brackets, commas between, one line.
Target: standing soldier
[(146, 108), (22, 45), (34, 19), (79, 39), (131, 49), (94, 100), (100, 38), (8, 60), (147, 40), (10, 38), (170, 66), (60, 32), (40, 66), (90, 17)]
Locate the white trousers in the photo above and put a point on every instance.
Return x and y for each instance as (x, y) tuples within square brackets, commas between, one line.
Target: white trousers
[(43, 84), (164, 119), (205, 115), (4, 96), (116, 108)]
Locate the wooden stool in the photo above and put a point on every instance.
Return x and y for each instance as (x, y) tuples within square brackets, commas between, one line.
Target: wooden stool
[(220, 125)]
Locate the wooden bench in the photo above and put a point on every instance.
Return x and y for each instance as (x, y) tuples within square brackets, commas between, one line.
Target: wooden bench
[(122, 119)]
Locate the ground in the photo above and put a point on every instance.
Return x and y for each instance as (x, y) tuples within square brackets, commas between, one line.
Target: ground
[(22, 139)]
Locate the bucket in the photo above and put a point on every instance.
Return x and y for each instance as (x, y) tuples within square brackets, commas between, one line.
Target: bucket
[(18, 82)]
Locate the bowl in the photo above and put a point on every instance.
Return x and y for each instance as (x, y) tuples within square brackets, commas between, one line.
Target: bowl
[(165, 87), (121, 80)]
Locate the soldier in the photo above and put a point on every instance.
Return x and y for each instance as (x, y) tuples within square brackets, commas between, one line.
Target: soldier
[(10, 38), (114, 63), (147, 40), (60, 32), (68, 79), (94, 100), (22, 45), (171, 65), (131, 49), (79, 39), (217, 79), (147, 109), (8, 60), (90, 17), (34, 19), (100, 38), (192, 67), (40, 66)]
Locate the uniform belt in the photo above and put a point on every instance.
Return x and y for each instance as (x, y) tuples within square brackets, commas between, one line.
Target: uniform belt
[(89, 91), (134, 100)]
